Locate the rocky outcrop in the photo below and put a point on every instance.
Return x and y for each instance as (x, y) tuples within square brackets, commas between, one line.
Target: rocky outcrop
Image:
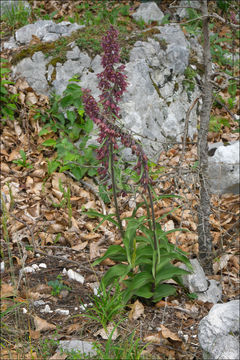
[(218, 332), (224, 168)]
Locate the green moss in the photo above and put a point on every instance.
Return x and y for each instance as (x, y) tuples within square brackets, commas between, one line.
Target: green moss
[(176, 87), (56, 60), (163, 44), (31, 50), (53, 76), (155, 86)]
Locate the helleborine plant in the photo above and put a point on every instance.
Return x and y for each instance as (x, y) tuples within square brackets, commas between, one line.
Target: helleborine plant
[(145, 259)]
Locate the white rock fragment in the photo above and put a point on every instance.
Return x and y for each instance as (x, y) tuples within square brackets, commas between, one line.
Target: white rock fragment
[(35, 267), (73, 275), (2, 267), (38, 303), (24, 311), (46, 310), (42, 266), (27, 269), (62, 311)]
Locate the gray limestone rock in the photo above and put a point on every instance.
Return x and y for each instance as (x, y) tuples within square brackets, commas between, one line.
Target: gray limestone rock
[(206, 290), (148, 12), (84, 347), (45, 30), (196, 282), (182, 13), (223, 169), (218, 332), (155, 104)]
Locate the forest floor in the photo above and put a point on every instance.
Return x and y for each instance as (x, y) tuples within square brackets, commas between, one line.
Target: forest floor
[(48, 233)]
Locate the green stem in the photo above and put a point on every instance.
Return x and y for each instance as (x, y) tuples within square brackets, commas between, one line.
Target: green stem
[(154, 233), (153, 218), (114, 189)]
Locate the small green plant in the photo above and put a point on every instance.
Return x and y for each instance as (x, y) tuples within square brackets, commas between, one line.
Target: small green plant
[(216, 123), (141, 23), (192, 296), (47, 347), (23, 161), (57, 286), (73, 126), (15, 15), (189, 81), (107, 304), (8, 101), (127, 349), (65, 202)]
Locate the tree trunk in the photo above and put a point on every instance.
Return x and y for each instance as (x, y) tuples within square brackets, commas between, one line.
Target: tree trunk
[(204, 235)]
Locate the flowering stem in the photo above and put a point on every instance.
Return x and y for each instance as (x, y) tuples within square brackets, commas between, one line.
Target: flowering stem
[(114, 189), (153, 217)]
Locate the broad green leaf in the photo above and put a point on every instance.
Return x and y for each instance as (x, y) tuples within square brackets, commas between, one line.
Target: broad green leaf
[(49, 142), (162, 291), (117, 271), (112, 252), (66, 101), (168, 271), (44, 130), (144, 291), (138, 280), (71, 115)]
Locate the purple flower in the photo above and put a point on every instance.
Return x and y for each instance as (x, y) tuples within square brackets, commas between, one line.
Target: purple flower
[(112, 83)]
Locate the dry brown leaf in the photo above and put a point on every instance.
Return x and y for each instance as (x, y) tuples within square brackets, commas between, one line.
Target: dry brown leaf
[(90, 205), (105, 334), (73, 328), (59, 356), (4, 168), (221, 263), (137, 309), (155, 338), (39, 173), (33, 334), (42, 325), (56, 228), (14, 155), (166, 333), (94, 251), (170, 354), (169, 225), (7, 290), (90, 236), (80, 247)]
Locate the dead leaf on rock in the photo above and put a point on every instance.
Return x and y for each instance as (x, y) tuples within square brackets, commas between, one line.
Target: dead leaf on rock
[(105, 334), (166, 333), (42, 325), (136, 311)]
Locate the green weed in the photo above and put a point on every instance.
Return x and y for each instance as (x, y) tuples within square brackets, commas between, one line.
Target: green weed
[(23, 161), (57, 286)]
